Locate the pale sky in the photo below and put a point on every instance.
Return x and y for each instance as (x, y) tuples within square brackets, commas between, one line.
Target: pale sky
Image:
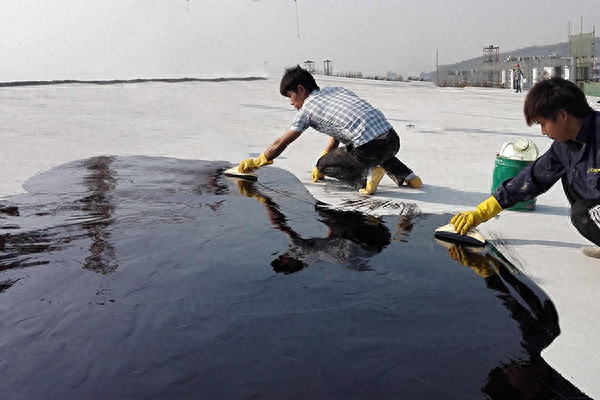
[(125, 39)]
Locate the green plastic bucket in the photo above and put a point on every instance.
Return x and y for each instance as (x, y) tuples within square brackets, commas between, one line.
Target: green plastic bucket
[(506, 168)]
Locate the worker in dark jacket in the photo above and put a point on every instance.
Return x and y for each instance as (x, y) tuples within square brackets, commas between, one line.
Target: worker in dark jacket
[(564, 115)]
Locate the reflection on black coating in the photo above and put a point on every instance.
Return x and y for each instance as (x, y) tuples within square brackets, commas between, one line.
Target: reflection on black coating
[(353, 238), (210, 180), (29, 248), (100, 182), (529, 376), (5, 285), (10, 210), (16, 249)]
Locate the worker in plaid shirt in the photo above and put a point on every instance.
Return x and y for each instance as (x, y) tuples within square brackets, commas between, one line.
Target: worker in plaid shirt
[(370, 142)]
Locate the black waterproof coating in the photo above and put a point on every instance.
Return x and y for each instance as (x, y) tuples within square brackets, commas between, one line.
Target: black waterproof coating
[(160, 278)]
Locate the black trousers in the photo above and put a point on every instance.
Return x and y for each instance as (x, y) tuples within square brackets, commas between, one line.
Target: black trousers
[(585, 214), (351, 164)]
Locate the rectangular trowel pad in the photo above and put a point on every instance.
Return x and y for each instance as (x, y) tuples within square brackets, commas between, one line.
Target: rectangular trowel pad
[(233, 172), (471, 238)]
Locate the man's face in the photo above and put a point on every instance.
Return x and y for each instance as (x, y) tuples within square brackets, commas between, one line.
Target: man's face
[(297, 98), (556, 129)]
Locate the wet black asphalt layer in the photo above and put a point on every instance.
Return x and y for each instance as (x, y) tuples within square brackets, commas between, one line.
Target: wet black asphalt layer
[(147, 277)]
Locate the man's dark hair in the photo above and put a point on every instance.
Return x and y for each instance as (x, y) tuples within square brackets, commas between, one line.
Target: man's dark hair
[(295, 76), (547, 97)]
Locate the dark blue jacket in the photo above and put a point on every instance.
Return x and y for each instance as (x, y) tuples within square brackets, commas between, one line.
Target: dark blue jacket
[(578, 160)]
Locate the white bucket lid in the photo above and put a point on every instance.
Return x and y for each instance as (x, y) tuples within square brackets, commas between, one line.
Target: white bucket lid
[(520, 149)]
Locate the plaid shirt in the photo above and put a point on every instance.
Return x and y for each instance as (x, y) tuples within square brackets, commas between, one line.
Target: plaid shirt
[(341, 114)]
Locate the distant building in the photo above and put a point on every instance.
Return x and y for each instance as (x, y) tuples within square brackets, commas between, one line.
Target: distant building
[(328, 67), (309, 65), (579, 66), (392, 76)]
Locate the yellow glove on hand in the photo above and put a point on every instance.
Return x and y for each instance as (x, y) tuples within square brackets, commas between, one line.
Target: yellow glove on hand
[(250, 164), (316, 175), (486, 210)]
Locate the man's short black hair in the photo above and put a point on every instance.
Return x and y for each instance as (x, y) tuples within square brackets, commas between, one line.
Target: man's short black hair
[(547, 97), (295, 76)]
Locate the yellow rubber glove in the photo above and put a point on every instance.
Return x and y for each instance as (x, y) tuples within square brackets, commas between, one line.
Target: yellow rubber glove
[(316, 175), (486, 210), (250, 164)]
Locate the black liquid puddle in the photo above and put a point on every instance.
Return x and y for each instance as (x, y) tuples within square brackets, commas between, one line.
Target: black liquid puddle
[(139, 277)]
